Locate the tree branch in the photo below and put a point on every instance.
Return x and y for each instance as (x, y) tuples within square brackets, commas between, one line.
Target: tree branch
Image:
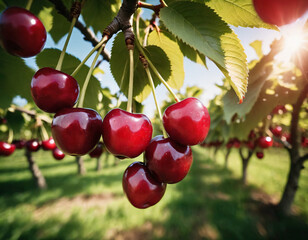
[(87, 33)]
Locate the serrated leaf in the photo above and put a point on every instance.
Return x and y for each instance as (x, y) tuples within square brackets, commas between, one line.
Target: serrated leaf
[(15, 78), (192, 54), (60, 26), (257, 46), (49, 58), (168, 43), (119, 65), (46, 17), (98, 14), (210, 36)]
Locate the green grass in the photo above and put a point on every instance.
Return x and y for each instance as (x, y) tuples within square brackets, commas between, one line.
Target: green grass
[(210, 203)]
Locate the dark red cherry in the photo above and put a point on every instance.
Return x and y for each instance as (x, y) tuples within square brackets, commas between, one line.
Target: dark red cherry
[(49, 144), (53, 90), (58, 154), (277, 131), (280, 12), (6, 149), (76, 131), (98, 150), (140, 187), (126, 134), (167, 160), (19, 144), (33, 145), (265, 142), (260, 155), (187, 122), (21, 33)]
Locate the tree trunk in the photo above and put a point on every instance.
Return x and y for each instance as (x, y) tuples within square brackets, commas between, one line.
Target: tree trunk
[(98, 164), (35, 171), (244, 170), (291, 187), (81, 167), (215, 153), (227, 157)]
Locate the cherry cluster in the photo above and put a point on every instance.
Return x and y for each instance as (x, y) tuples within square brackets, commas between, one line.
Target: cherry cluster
[(167, 159)]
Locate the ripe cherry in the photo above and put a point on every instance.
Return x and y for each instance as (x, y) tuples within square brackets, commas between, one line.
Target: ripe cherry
[(126, 134), (53, 90), (33, 145), (280, 12), (260, 155), (76, 131), (58, 154), (167, 160), (19, 144), (187, 122), (140, 187), (277, 131), (98, 150), (265, 142), (6, 149), (49, 144), (21, 33)]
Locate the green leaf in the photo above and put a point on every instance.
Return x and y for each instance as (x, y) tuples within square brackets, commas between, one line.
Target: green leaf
[(98, 14), (119, 65), (237, 13), (211, 36), (15, 121), (168, 43), (49, 58), (257, 46), (15, 78), (60, 26), (46, 17), (192, 54)]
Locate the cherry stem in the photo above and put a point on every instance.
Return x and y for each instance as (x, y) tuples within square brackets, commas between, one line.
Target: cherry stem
[(157, 73), (155, 8), (29, 4), (131, 81), (44, 132), (155, 100), (10, 136), (60, 61), (101, 43), (86, 82)]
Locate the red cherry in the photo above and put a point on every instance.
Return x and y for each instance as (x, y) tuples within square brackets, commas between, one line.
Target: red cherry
[(260, 155), (250, 144), (49, 144), (126, 134), (277, 131), (53, 90), (141, 189), (236, 143), (98, 150), (6, 149), (21, 33), (167, 160), (265, 142), (280, 12), (187, 122), (33, 145), (76, 131), (19, 144), (58, 154)]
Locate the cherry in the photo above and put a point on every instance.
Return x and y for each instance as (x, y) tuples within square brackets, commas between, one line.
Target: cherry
[(277, 131), (167, 160), (49, 144), (76, 131), (33, 145), (21, 33), (265, 142), (280, 12), (260, 155), (19, 144), (6, 149), (53, 90), (126, 134), (58, 154), (140, 187), (98, 150), (236, 143), (187, 122)]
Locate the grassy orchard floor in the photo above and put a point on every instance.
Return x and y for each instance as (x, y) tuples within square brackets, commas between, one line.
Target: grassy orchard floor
[(209, 204)]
